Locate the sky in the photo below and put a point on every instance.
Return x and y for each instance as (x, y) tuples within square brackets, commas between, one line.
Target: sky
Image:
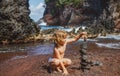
[(37, 9)]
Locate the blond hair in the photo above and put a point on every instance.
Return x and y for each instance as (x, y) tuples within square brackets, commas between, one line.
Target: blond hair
[(59, 35)]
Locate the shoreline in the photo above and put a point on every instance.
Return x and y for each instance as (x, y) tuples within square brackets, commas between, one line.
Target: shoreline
[(37, 65), (48, 37)]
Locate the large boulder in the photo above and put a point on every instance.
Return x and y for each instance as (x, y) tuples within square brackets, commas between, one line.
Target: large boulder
[(96, 13), (15, 23)]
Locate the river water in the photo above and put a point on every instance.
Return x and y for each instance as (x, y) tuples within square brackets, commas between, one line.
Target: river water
[(17, 51)]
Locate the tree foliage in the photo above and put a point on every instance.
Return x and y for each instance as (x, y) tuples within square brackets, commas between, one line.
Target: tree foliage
[(59, 3)]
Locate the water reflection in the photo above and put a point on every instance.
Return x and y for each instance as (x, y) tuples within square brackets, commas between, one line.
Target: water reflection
[(18, 51), (9, 55), (109, 45), (23, 50)]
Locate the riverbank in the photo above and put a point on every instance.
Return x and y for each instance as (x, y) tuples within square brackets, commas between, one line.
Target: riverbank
[(46, 34), (37, 65)]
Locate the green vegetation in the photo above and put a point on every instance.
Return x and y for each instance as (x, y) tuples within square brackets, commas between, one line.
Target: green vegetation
[(60, 3), (75, 3)]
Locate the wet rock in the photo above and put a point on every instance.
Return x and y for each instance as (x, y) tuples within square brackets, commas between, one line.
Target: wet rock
[(95, 14)]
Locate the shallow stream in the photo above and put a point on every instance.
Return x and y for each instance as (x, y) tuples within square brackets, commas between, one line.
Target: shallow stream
[(17, 51)]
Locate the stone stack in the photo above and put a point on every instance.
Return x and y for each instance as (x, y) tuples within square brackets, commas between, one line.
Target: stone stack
[(85, 62), (84, 57)]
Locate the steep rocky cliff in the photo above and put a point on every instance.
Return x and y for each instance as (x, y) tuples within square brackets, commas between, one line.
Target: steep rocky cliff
[(92, 13), (15, 23)]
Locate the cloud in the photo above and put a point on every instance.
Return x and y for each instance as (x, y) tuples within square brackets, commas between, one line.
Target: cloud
[(41, 5), (37, 11)]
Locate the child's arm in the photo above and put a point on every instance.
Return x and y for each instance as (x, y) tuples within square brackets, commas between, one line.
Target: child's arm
[(77, 37)]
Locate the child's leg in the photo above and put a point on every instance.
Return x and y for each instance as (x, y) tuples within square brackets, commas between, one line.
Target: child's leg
[(59, 69), (66, 61), (54, 64)]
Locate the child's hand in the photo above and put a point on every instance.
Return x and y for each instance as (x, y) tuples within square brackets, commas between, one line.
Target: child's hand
[(84, 37), (84, 33)]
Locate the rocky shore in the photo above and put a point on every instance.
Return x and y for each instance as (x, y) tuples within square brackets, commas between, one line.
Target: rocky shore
[(17, 27), (46, 35), (37, 65), (15, 23)]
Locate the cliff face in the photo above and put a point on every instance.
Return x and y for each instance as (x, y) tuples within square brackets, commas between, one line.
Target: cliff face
[(89, 12), (15, 22)]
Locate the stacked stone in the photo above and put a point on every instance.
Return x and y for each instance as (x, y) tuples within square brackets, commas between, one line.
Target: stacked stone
[(85, 62), (84, 58)]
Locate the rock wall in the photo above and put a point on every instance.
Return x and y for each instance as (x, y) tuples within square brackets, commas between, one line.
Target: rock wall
[(116, 16), (110, 18), (68, 14), (90, 12), (15, 23)]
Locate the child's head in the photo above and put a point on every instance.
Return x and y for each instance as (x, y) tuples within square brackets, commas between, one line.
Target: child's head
[(59, 37)]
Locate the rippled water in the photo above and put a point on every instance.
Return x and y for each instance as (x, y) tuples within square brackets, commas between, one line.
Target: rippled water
[(31, 48), (109, 45), (17, 51), (110, 41)]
